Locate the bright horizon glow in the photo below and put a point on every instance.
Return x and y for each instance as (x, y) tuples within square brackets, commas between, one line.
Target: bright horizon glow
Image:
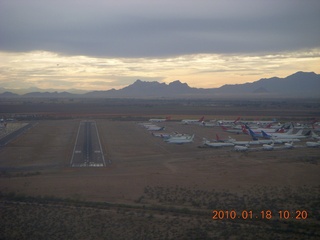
[(49, 70)]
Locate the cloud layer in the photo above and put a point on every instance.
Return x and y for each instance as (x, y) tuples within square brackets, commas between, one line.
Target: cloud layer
[(143, 28), (104, 44), (51, 70)]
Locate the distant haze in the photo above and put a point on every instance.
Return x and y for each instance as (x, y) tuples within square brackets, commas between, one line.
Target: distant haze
[(98, 44), (297, 85)]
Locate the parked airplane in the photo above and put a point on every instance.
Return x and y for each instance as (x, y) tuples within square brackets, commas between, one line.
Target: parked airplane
[(241, 148), (160, 119), (218, 139), (180, 140), (254, 135), (178, 136), (155, 128), (256, 140), (216, 144), (192, 121), (314, 135), (285, 140), (228, 123), (315, 126), (232, 130), (313, 144), (162, 135), (268, 147), (259, 123), (288, 145), (258, 130), (284, 135), (146, 125), (209, 124)]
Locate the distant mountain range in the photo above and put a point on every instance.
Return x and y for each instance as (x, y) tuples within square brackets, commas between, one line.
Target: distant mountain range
[(299, 84)]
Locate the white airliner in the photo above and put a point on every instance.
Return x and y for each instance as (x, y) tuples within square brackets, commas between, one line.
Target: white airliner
[(241, 148), (267, 130), (284, 135), (288, 145), (254, 142), (160, 119), (192, 121), (227, 123), (218, 139), (313, 144), (177, 136), (189, 139), (315, 136), (146, 125), (232, 130), (285, 140), (155, 128), (259, 123), (216, 144), (162, 135), (268, 147)]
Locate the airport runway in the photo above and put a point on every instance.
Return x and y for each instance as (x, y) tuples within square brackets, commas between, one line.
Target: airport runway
[(13, 135), (87, 151)]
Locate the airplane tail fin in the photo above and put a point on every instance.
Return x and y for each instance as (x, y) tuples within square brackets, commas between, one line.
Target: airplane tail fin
[(217, 138), (235, 121), (265, 135), (253, 135), (244, 129), (269, 125), (308, 133), (313, 134), (223, 128), (290, 131), (280, 129), (201, 119)]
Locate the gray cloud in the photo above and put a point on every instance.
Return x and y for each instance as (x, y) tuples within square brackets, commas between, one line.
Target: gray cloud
[(126, 28)]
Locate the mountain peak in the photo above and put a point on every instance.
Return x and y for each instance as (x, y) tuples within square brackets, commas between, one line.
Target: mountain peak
[(303, 74), (138, 81), (176, 82)]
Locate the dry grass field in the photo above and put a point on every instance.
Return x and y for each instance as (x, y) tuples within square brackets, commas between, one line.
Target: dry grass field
[(151, 189)]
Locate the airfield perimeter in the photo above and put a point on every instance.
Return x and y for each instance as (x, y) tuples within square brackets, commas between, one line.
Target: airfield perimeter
[(37, 163)]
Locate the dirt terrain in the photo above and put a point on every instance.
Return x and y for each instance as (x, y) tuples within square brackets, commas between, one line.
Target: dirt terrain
[(138, 159), (143, 170)]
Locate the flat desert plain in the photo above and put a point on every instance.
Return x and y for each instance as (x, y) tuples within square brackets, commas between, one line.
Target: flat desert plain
[(136, 159), (153, 189)]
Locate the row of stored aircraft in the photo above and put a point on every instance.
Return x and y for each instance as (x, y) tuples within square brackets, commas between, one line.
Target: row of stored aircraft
[(271, 134), (287, 139), (175, 138), (234, 126)]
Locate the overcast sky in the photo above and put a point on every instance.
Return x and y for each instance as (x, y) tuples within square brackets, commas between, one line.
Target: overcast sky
[(101, 44)]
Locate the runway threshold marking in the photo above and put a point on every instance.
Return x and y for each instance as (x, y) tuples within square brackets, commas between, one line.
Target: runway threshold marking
[(88, 159)]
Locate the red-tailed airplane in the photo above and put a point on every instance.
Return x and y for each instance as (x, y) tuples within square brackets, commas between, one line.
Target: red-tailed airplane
[(192, 121)]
